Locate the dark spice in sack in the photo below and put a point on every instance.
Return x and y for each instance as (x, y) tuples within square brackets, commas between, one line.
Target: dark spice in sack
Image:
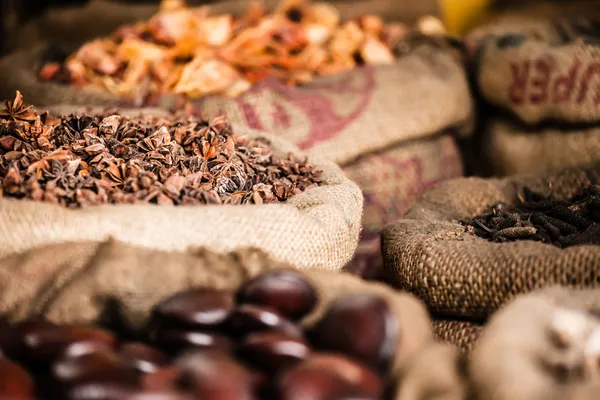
[(462, 276)]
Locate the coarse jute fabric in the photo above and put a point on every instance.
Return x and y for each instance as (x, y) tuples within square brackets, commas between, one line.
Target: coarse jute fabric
[(438, 372), (391, 128), (537, 71), (462, 334), (391, 182), (77, 282), (354, 118), (540, 81), (316, 229), (462, 276), (542, 346), (509, 147)]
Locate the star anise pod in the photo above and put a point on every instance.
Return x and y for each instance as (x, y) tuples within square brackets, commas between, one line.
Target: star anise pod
[(17, 111)]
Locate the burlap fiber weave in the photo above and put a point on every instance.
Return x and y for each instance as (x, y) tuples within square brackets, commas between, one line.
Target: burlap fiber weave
[(316, 229), (459, 275)]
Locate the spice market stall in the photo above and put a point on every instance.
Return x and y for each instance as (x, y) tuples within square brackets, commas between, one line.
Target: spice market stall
[(181, 200), (382, 101)]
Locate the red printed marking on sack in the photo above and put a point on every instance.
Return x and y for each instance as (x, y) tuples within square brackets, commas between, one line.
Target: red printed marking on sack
[(384, 204), (538, 82), (305, 115)]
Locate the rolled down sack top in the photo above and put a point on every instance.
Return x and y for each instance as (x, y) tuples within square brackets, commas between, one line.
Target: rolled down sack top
[(316, 229), (460, 275)]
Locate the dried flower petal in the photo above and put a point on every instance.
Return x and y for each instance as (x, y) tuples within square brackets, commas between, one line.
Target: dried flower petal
[(191, 52)]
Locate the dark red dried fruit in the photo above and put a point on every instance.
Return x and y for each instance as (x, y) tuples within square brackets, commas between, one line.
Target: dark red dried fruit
[(213, 376), (79, 349), (15, 382), (101, 391), (175, 341), (48, 343), (163, 380), (194, 308), (249, 318), (361, 326), (142, 358), (325, 377), (94, 367), (13, 337), (286, 291), (160, 396), (273, 352)]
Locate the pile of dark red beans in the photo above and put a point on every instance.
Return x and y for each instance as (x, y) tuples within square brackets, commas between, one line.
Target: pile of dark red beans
[(213, 345)]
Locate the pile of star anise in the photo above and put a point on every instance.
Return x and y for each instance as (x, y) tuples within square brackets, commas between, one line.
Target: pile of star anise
[(83, 160)]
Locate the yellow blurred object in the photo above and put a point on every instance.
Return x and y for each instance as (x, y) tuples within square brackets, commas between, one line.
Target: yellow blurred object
[(459, 15)]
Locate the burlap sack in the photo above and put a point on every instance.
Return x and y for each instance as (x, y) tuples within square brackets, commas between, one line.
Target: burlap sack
[(390, 127), (510, 147), (316, 229), (538, 80), (461, 276), (439, 372), (391, 181), (536, 70), (522, 355), (376, 123), (78, 282)]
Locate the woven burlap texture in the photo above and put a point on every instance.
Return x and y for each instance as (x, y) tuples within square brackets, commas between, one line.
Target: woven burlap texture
[(391, 182), (316, 229), (461, 275), (539, 81), (463, 334), (438, 372), (513, 358), (511, 148), (76, 282)]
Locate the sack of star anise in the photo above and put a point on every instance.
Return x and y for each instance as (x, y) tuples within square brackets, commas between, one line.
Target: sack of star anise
[(470, 245), (543, 345), (171, 182), (537, 75)]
